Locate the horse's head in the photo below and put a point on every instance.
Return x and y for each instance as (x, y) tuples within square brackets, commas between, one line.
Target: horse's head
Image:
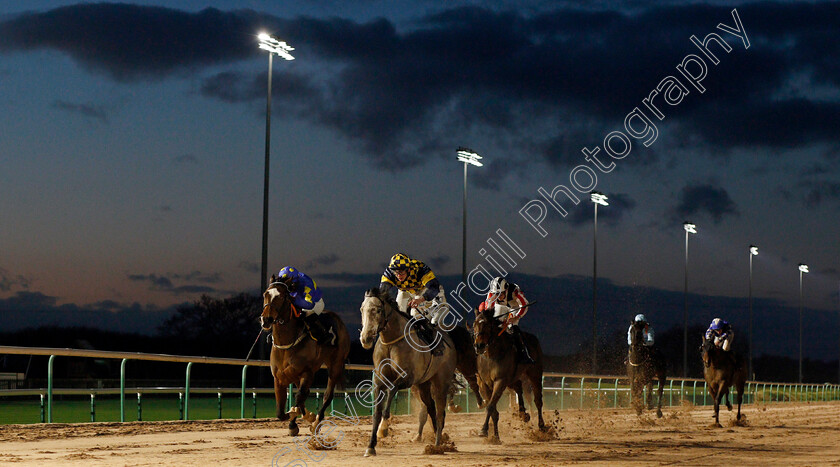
[(706, 351), (485, 328), (277, 305), (373, 317), (636, 333)]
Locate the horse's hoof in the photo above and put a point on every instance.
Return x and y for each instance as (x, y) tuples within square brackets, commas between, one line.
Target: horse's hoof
[(310, 417), (482, 405), (418, 439), (525, 417), (293, 431), (454, 408), (294, 413), (370, 452), (482, 433), (382, 432), (718, 425), (658, 414), (729, 407)]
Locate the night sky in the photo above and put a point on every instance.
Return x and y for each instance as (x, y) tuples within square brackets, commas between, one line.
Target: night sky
[(132, 146)]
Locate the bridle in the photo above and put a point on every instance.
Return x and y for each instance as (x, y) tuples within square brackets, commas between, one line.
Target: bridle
[(292, 310)]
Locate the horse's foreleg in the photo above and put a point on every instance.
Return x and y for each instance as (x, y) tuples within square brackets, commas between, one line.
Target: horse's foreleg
[(377, 418), (498, 390), (328, 397), (423, 415), (718, 396), (536, 388), (386, 414), (280, 393), (441, 392), (425, 393), (472, 381), (659, 396), (520, 396)]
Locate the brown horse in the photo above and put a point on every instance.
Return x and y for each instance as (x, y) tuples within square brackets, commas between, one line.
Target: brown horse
[(499, 368), (721, 371), (296, 356), (643, 365), (400, 364)]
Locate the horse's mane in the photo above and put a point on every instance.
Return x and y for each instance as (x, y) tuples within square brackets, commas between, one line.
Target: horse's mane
[(385, 298)]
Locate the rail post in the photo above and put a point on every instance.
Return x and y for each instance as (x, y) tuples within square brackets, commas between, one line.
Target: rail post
[(139, 408), (615, 395), (92, 407), (242, 394), (50, 388), (187, 393), (582, 379), (122, 389)]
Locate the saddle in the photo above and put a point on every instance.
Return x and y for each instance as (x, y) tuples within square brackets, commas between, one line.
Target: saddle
[(327, 335)]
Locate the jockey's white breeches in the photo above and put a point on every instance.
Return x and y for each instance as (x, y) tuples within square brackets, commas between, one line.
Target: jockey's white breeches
[(317, 309), (431, 310)]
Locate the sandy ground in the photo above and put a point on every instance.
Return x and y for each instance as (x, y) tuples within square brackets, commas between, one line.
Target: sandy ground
[(778, 434)]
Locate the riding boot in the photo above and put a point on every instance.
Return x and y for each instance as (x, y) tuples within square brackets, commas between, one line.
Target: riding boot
[(521, 348), (428, 333), (317, 329)]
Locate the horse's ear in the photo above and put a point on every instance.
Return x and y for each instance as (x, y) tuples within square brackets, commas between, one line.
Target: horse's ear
[(372, 292), (273, 279)]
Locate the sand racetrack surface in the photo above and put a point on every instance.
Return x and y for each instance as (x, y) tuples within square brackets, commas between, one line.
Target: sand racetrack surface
[(774, 434)]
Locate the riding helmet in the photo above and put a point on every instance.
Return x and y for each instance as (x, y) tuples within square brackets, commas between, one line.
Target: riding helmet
[(398, 262)]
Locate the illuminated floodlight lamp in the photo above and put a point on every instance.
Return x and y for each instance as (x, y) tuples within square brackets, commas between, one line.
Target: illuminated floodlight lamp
[(803, 268), (753, 250), (468, 156), (690, 228), (274, 46), (599, 198)]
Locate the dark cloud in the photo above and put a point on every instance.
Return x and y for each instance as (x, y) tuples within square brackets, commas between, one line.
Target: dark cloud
[(186, 159), (34, 309), (820, 192), (85, 110), (704, 198), (323, 260), (131, 42), (9, 280), (584, 212), (542, 84), (250, 266), (438, 262), (166, 284)]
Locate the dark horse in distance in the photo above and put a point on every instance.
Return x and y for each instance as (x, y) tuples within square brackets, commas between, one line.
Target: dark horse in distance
[(643, 365), (722, 371), (296, 357), (499, 368)]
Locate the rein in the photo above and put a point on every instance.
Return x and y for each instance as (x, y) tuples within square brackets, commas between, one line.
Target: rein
[(293, 312)]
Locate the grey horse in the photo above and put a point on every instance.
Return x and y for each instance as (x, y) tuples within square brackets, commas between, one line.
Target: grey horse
[(399, 364)]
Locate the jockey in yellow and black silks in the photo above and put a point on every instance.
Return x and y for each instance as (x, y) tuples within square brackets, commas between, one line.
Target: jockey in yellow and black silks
[(416, 290)]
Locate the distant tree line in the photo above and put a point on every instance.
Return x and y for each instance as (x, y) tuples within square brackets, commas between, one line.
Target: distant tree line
[(227, 327)]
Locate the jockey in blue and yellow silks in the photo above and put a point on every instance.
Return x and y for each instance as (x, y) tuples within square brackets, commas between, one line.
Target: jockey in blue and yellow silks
[(305, 294), (307, 297)]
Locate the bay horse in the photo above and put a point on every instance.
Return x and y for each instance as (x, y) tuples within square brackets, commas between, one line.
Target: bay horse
[(296, 356), (466, 365), (399, 365), (722, 371), (499, 368), (643, 365)]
